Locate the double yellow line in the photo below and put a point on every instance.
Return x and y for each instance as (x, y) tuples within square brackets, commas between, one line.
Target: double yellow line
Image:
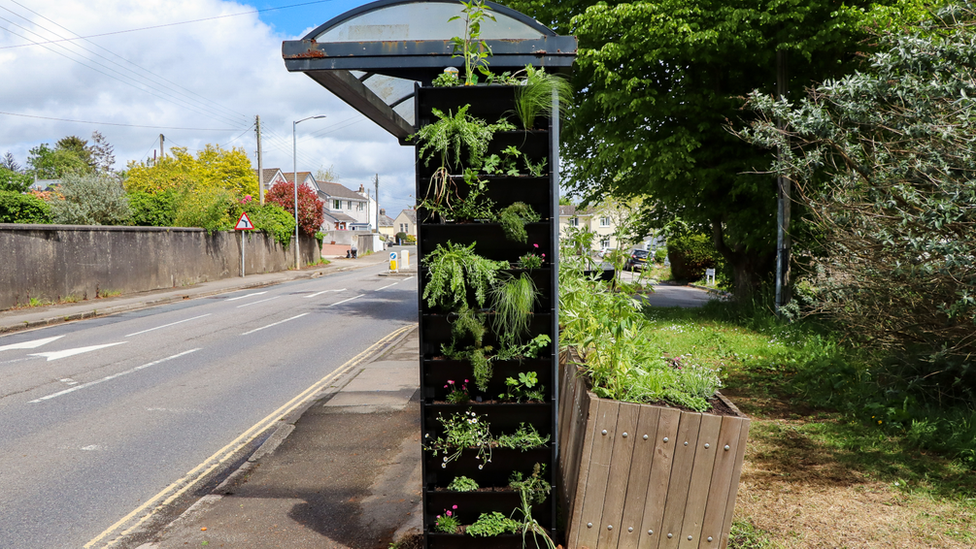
[(168, 495)]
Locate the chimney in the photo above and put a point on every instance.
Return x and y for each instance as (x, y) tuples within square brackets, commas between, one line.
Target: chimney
[(382, 211), (361, 188)]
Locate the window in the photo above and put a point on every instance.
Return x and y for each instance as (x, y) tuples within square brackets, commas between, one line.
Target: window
[(349, 204), (336, 205), (604, 221), (574, 222), (605, 243), (359, 206)]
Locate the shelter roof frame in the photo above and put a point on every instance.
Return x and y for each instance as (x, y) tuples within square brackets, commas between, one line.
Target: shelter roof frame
[(408, 42)]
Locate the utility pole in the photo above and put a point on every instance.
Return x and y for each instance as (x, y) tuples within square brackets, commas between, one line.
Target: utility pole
[(257, 123), (783, 202), (376, 183), (162, 149)]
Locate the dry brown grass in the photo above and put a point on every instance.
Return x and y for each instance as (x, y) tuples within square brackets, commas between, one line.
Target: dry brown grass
[(802, 490)]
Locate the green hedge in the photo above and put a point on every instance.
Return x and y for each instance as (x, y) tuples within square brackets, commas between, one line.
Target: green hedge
[(23, 208)]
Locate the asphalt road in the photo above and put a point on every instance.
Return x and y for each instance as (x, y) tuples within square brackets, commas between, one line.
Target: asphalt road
[(98, 416)]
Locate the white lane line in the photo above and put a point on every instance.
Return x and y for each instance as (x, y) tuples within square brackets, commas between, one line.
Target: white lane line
[(54, 355), (258, 301), (111, 377), (346, 300), (30, 344), (324, 292), (244, 296), (408, 278), (167, 325), (274, 324), (385, 287)]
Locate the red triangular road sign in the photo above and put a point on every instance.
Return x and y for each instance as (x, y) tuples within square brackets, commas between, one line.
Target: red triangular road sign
[(244, 223)]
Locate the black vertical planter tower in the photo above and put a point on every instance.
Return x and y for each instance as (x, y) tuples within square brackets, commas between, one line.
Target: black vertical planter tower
[(489, 103)]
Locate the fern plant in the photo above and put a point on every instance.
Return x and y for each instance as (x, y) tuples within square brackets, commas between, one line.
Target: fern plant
[(452, 269), (513, 219), (452, 134)]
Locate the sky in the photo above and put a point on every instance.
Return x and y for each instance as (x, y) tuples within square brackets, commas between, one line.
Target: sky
[(195, 71)]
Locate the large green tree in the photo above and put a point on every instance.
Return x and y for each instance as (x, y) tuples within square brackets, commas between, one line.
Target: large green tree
[(657, 85)]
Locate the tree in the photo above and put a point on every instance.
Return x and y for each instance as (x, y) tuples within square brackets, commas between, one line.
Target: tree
[(657, 84), (101, 153), (328, 174), (884, 159), (9, 162), (213, 168), (16, 207), (48, 163), (310, 215), (90, 199)]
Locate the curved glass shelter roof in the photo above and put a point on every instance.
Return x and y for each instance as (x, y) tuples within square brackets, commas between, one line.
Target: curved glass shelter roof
[(372, 57)]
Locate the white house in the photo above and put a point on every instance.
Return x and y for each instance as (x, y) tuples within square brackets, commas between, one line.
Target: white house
[(344, 208)]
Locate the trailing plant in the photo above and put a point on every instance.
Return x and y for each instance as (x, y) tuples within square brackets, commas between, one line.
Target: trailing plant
[(523, 388), (463, 484), (534, 97), (452, 269), (534, 487), (458, 392), (448, 522), (462, 430), (493, 524), (513, 300), (513, 219), (526, 437), (474, 51)]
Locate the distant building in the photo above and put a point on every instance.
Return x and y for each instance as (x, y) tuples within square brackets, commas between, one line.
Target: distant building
[(386, 227), (406, 222), (347, 209)]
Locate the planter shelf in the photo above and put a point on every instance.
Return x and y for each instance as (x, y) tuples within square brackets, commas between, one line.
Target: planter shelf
[(645, 476), (541, 193)]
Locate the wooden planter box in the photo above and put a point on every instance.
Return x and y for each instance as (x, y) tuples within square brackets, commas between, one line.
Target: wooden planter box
[(644, 476)]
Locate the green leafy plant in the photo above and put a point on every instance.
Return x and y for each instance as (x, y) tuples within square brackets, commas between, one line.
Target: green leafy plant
[(525, 387), (462, 430), (448, 522), (453, 134), (463, 484), (446, 79), (532, 490), (23, 208), (493, 524), (534, 97), (513, 300), (458, 392), (452, 269), (513, 219), (526, 437), (474, 51)]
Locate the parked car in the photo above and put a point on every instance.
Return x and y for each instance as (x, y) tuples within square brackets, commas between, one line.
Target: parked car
[(637, 260)]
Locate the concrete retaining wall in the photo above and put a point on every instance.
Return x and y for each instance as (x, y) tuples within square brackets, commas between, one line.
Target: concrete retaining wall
[(55, 262)]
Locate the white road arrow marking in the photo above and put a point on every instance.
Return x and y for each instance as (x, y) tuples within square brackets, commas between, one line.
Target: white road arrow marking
[(243, 296), (111, 377), (54, 355), (30, 344)]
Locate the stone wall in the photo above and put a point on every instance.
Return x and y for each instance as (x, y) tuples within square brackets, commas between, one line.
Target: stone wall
[(55, 262)]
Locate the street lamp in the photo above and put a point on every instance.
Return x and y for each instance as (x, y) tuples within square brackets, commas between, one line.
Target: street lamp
[(294, 158)]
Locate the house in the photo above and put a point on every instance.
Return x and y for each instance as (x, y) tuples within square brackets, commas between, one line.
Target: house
[(271, 176), (345, 209), (406, 222), (603, 222), (386, 227)]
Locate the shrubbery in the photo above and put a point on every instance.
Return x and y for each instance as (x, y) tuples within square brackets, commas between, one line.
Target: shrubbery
[(690, 254), (23, 208)]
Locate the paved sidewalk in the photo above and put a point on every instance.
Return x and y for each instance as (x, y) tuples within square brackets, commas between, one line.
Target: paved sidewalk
[(347, 475)]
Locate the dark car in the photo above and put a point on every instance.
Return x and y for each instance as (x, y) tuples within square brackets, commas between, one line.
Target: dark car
[(637, 260)]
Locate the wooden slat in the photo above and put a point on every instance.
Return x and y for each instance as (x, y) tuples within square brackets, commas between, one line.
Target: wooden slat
[(718, 492), (578, 423), (640, 472), (576, 407), (572, 538), (684, 461), (701, 478), (620, 461), (595, 487), (659, 479), (740, 453)]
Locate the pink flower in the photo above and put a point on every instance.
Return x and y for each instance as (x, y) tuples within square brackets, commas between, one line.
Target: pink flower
[(465, 381), (455, 507), (448, 513), (535, 245)]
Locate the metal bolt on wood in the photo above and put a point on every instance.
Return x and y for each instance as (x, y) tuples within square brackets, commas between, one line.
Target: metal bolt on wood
[(625, 435), (726, 447), (609, 527), (589, 525), (646, 437), (604, 432), (709, 538), (631, 529), (706, 446), (665, 439)]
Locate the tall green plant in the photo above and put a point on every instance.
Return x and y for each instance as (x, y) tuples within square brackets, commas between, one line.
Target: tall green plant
[(452, 269), (470, 46), (513, 219), (513, 300), (535, 96)]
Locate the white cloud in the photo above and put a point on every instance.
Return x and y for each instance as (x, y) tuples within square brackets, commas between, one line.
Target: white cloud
[(213, 74)]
